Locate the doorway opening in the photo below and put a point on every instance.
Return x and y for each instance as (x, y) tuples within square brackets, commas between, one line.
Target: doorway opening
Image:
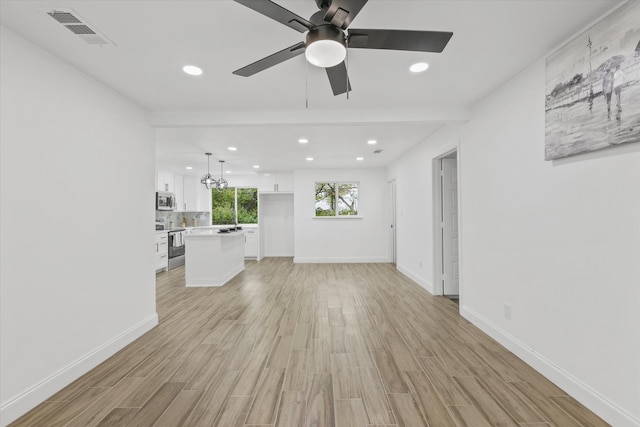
[(446, 231)]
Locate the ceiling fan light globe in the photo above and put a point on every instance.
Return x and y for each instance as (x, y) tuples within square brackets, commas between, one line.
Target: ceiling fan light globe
[(325, 53), (325, 46)]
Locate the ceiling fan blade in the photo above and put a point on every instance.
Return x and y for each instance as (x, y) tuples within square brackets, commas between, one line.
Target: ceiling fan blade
[(271, 60), (341, 12), (278, 13), (338, 78), (421, 41)]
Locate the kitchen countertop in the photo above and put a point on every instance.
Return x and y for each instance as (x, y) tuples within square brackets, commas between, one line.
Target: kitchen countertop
[(207, 232), (208, 227)]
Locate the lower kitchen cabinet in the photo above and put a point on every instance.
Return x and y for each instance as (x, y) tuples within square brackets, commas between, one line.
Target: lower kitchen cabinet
[(162, 251), (251, 243)]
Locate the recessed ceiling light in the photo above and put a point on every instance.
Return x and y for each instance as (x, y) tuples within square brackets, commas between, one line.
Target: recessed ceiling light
[(192, 70), (309, 159), (227, 172), (419, 67), (188, 167), (303, 140), (372, 142), (232, 148), (256, 166), (359, 159)]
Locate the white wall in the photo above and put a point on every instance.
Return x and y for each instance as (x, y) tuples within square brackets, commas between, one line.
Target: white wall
[(77, 258), (343, 239), (414, 205), (557, 241)]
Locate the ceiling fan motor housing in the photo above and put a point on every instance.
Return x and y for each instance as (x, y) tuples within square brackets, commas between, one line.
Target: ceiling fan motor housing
[(326, 32), (323, 4)]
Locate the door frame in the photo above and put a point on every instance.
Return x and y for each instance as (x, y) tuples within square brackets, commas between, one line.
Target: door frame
[(392, 234), (436, 167)]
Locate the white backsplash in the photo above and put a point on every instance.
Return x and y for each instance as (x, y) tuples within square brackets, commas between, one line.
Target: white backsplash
[(183, 219)]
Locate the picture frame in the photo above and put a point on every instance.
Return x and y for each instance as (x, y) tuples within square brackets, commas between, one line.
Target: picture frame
[(593, 87)]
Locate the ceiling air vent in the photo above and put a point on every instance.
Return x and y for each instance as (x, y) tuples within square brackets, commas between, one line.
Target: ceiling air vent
[(78, 26)]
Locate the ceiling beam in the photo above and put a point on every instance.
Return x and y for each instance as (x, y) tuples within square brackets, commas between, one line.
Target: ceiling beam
[(308, 117)]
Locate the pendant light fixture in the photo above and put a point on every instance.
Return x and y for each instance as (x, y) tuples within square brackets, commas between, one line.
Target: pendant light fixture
[(222, 183), (208, 180)]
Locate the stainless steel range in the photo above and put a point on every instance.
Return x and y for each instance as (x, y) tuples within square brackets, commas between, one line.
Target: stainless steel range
[(176, 247)]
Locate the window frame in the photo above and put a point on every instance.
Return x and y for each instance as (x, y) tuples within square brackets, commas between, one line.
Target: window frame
[(336, 184), (235, 205)]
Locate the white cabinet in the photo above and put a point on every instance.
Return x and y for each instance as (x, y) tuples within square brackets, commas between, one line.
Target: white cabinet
[(187, 189), (162, 251), (251, 243), (284, 182), (164, 181), (203, 198), (178, 183), (276, 182), (190, 193)]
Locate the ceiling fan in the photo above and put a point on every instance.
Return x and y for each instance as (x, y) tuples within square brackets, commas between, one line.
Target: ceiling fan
[(326, 41)]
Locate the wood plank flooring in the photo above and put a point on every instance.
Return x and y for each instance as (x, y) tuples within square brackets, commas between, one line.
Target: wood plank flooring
[(324, 345)]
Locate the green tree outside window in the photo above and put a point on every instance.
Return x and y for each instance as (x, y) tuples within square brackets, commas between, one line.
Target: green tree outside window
[(247, 205), (234, 206), (343, 202)]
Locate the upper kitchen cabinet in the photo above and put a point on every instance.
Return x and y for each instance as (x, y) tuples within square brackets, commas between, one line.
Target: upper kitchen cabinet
[(164, 181), (178, 183), (190, 193), (203, 198), (276, 182)]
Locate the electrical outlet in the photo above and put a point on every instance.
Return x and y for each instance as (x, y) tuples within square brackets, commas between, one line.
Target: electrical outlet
[(420, 264), (507, 311)]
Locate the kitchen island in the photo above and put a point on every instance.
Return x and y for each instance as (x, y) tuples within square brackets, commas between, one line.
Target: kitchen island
[(213, 258)]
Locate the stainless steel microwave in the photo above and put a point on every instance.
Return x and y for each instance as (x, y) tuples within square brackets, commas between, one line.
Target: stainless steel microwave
[(165, 201)]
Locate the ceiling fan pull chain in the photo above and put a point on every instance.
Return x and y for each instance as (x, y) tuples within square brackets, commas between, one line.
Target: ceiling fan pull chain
[(306, 84)]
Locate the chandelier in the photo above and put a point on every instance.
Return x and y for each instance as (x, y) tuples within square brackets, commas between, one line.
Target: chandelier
[(222, 183), (208, 180)]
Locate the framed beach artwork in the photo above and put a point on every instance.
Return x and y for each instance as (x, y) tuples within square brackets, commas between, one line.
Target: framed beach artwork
[(593, 87)]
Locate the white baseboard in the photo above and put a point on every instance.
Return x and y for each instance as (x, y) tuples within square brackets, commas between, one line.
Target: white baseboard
[(420, 281), (590, 398), (36, 394), (305, 260)]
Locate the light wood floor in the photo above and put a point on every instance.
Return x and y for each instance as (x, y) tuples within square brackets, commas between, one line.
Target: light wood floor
[(310, 345)]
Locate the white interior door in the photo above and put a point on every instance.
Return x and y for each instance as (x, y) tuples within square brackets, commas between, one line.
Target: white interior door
[(450, 252)]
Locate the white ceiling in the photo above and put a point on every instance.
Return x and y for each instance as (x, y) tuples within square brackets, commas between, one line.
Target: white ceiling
[(264, 115)]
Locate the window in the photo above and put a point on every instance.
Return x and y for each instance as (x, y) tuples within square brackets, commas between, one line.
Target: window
[(336, 199), (247, 202), (234, 206)]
